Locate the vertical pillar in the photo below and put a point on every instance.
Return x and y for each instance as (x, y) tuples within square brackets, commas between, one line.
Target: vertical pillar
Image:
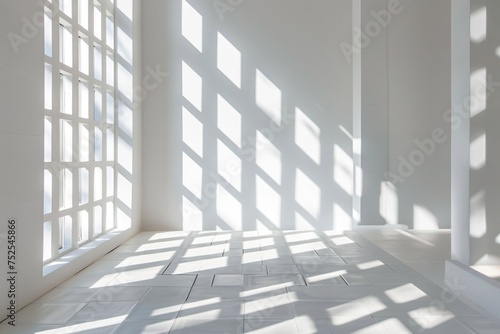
[(370, 22), (460, 141)]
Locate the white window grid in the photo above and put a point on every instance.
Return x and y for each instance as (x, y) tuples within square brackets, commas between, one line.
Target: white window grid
[(80, 117)]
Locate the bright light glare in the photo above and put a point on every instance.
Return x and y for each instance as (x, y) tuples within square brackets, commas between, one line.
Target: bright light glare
[(307, 136), (341, 219), (229, 209), (192, 217), (388, 207), (192, 26), (192, 86), (423, 219), (307, 194), (478, 152), (478, 92), (229, 120), (405, 294), (268, 201), (302, 224), (478, 25), (478, 223), (342, 169), (229, 165), (268, 97), (192, 175), (192, 132), (229, 60), (268, 157)]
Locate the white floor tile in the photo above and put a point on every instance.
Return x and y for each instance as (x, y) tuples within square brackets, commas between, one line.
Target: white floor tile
[(211, 309), (230, 282), (48, 314), (145, 327), (262, 326), (67, 295), (120, 294), (276, 279), (160, 294), (164, 310), (220, 326), (94, 311), (222, 280)]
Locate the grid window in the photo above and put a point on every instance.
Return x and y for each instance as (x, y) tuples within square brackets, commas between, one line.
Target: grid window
[(79, 128)]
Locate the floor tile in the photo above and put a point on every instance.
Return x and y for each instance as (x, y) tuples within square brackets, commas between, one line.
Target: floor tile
[(211, 309), (276, 307), (145, 327), (160, 294), (264, 326), (222, 280), (222, 293), (220, 326), (120, 294), (276, 279), (67, 295), (282, 269), (307, 325), (125, 279), (48, 314), (204, 280), (356, 279), (94, 311), (164, 310), (28, 328), (324, 280), (93, 281), (230, 282)]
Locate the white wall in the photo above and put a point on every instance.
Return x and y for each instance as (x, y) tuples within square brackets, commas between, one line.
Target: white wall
[(21, 149), (418, 55), (484, 132), (295, 44)]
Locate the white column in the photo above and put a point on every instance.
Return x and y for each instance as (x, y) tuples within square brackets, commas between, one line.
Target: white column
[(460, 152), (370, 23)]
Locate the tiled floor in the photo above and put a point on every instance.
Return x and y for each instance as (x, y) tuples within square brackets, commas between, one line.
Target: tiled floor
[(259, 282)]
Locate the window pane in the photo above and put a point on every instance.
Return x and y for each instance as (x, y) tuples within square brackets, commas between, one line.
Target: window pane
[(66, 94), (66, 44), (47, 240), (66, 189), (110, 70), (110, 181), (97, 220), (110, 108), (66, 7), (48, 87), (110, 145), (97, 144), (66, 141), (83, 99), (97, 62), (83, 54), (97, 21), (97, 105), (110, 31), (83, 13), (65, 233), (97, 183), (47, 140), (47, 190), (48, 32), (84, 184), (110, 216), (83, 226), (84, 142)]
